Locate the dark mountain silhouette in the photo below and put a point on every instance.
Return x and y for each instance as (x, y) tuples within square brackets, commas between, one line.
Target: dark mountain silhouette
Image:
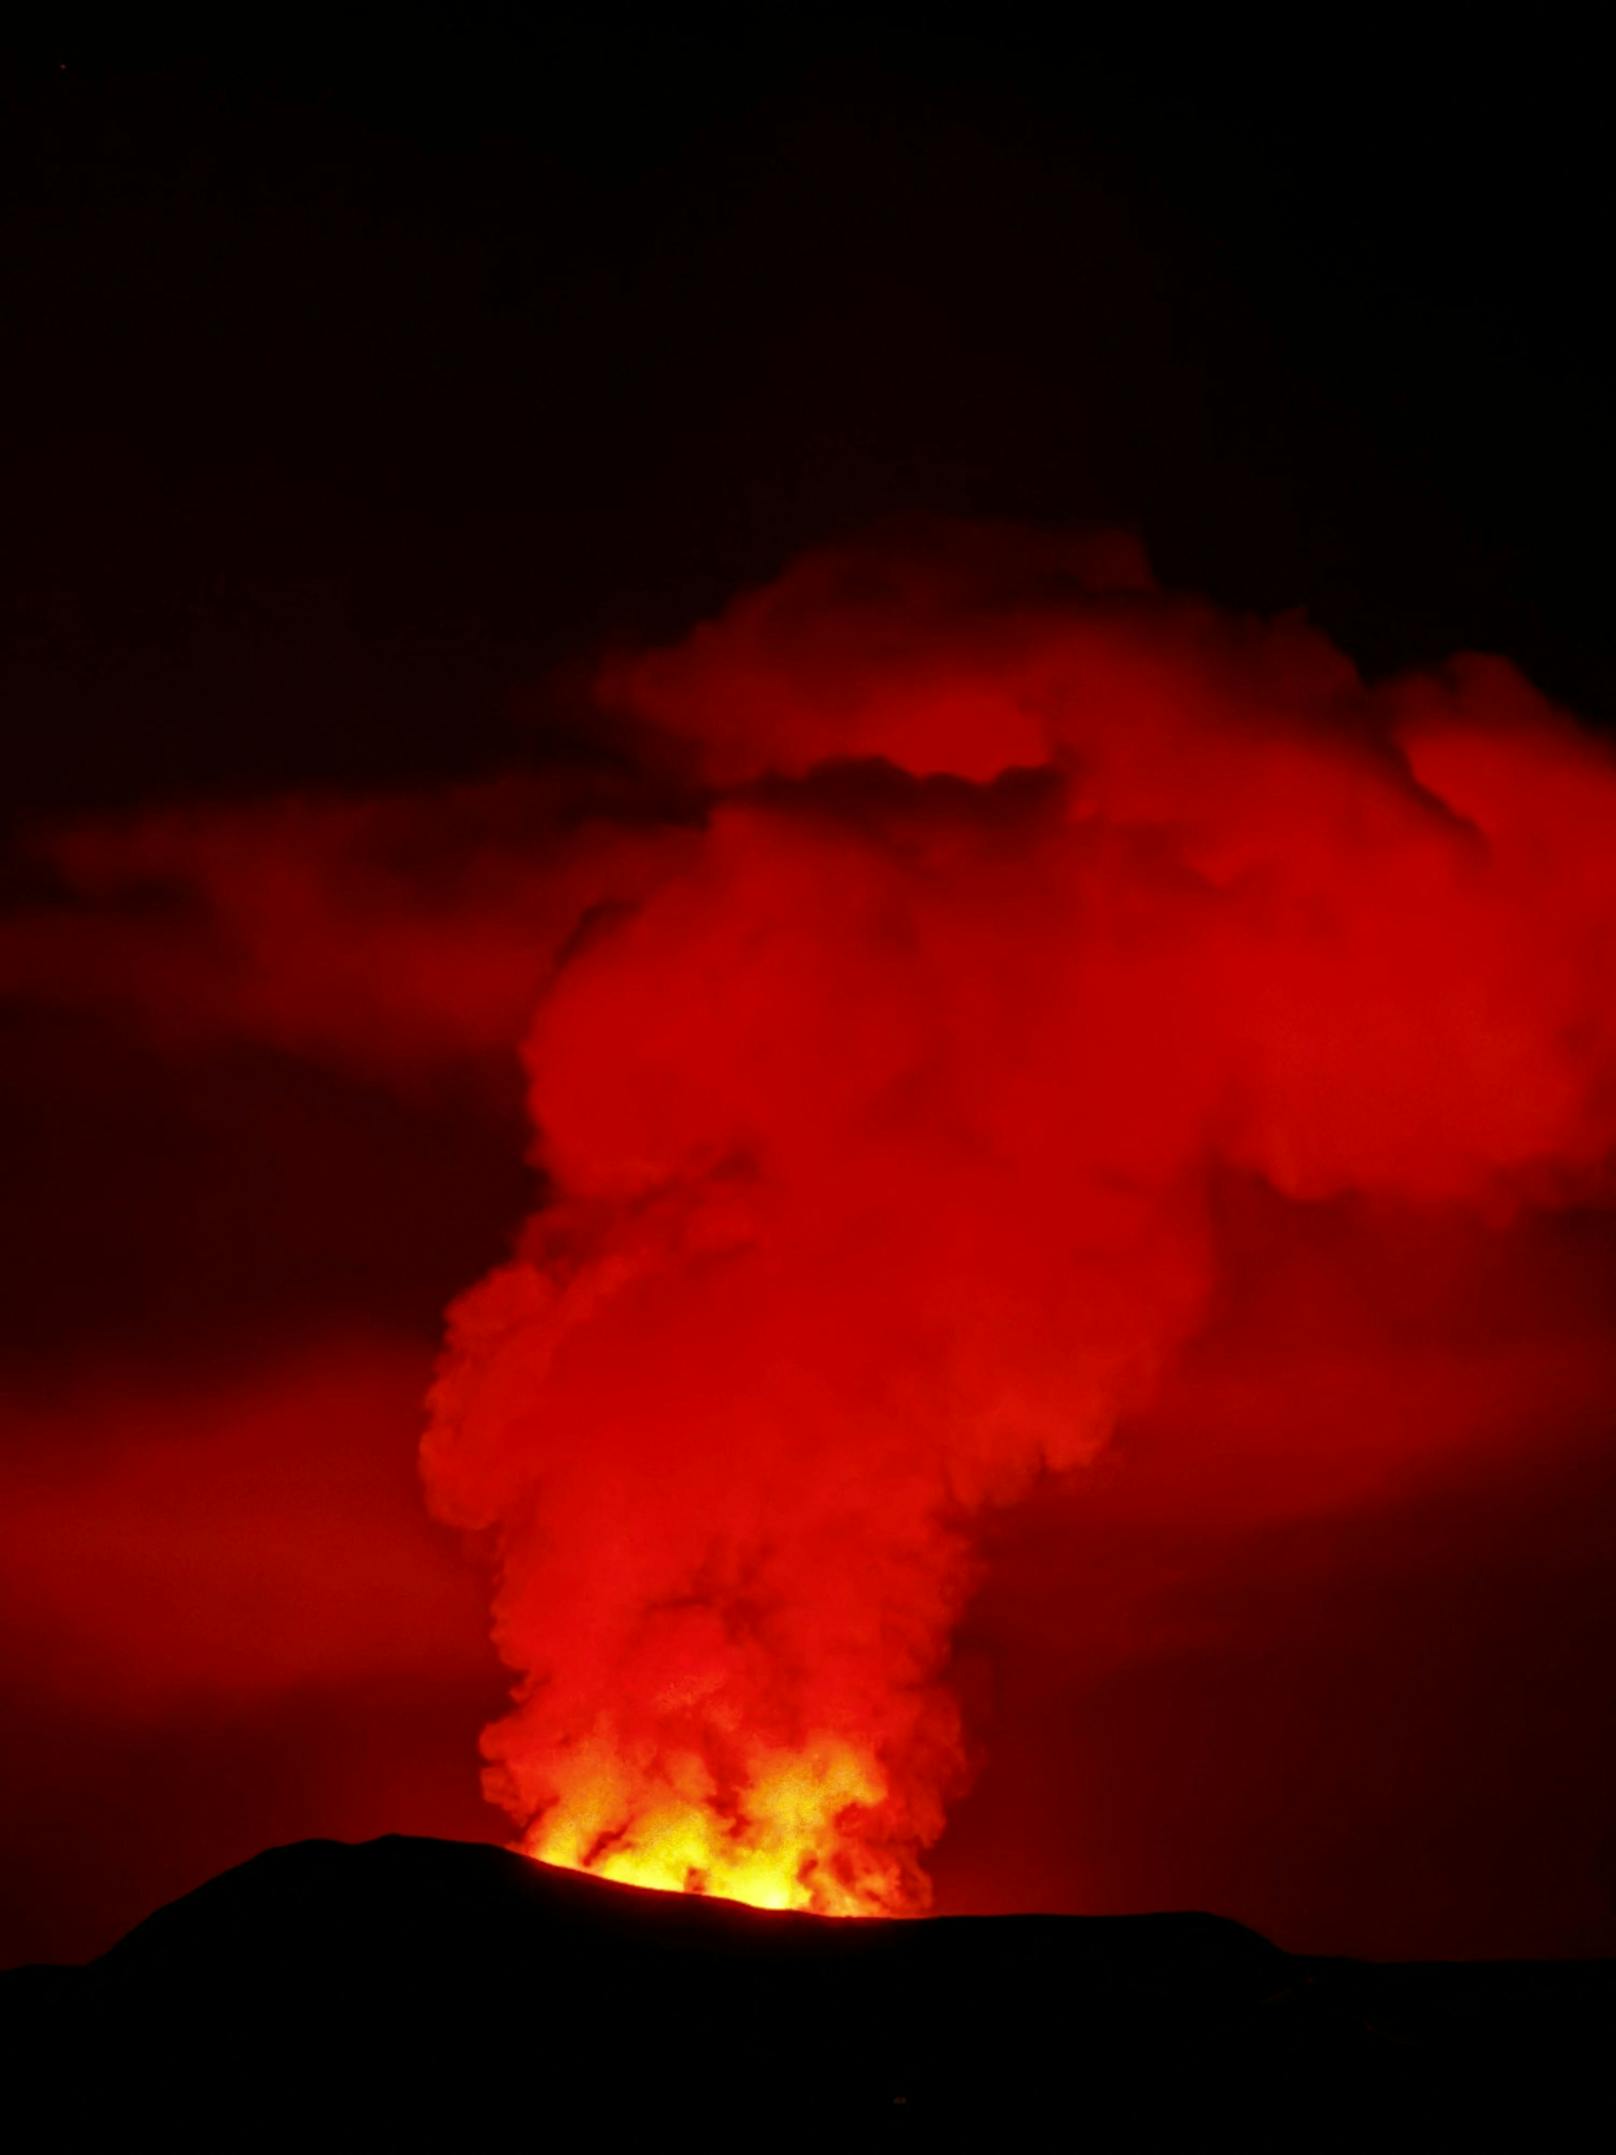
[(417, 1993)]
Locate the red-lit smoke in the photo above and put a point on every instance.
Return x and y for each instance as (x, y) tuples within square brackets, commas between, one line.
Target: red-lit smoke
[(882, 1130)]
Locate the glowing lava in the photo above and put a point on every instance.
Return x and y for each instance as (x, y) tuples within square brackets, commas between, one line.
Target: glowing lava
[(789, 1839)]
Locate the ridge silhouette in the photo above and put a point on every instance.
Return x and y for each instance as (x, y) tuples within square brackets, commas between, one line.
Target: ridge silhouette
[(418, 1993)]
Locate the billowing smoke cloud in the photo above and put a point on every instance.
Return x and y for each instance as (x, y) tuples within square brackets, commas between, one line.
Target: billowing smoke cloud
[(1033, 907)]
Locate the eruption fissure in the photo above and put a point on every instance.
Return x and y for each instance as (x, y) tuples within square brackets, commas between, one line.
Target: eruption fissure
[(881, 1131)]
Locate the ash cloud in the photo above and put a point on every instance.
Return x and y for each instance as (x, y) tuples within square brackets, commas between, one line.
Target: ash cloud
[(889, 1140)]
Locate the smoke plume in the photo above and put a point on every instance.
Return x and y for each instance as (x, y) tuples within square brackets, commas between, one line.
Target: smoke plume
[(883, 1131)]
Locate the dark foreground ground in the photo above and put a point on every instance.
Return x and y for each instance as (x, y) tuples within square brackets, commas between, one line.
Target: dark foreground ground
[(413, 1993)]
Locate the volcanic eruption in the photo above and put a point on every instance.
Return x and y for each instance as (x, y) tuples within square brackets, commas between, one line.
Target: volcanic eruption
[(1019, 907)]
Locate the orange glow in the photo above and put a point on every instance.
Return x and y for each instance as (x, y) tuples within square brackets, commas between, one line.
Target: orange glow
[(789, 1839)]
